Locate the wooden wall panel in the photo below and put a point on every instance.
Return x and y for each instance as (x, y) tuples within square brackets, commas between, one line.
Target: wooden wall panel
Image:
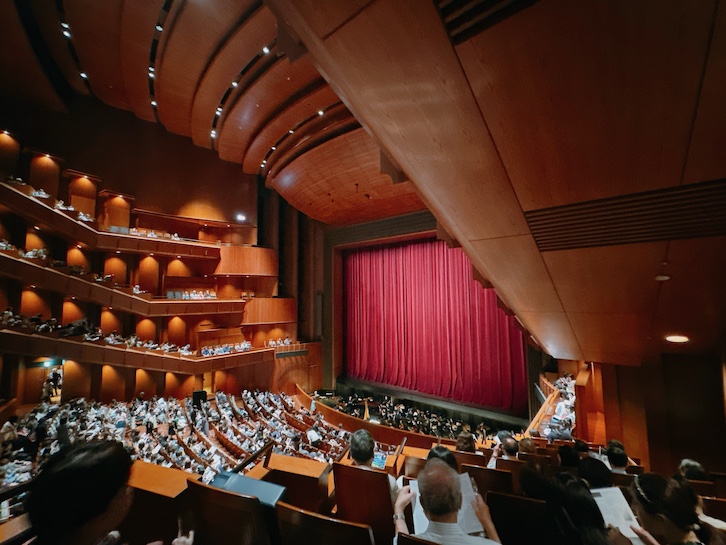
[(33, 384), (151, 383), (82, 195), (34, 301), (176, 331), (116, 266), (270, 311), (45, 174), (110, 322), (148, 274), (179, 386), (76, 380), (113, 383), (9, 153), (247, 260)]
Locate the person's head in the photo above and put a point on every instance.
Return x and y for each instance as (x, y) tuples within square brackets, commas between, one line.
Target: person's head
[(510, 446), (465, 442), (528, 446), (440, 490), (581, 447), (664, 506), (533, 480), (442, 453), (692, 470), (617, 458), (361, 447), (568, 456), (595, 472), (577, 518), (13, 419), (80, 491), (615, 443)]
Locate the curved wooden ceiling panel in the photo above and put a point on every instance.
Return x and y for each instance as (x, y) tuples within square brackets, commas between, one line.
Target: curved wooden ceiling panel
[(350, 189), (320, 99), (311, 133), (563, 129), (193, 38), (266, 95), (96, 33), (23, 77), (48, 20), (137, 32), (247, 42)]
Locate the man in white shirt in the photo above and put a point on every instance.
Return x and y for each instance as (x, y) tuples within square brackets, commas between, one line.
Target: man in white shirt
[(440, 494)]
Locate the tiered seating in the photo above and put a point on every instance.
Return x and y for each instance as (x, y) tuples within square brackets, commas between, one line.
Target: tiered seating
[(300, 526)]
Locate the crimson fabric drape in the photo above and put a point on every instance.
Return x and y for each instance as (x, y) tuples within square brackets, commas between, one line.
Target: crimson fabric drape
[(415, 318)]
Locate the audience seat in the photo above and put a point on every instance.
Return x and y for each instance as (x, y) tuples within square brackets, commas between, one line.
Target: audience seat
[(635, 470), (472, 458), (518, 519), (412, 465), (363, 495), (704, 488), (545, 459), (715, 507), (623, 480), (298, 526), (515, 466), (406, 539), (219, 516), (496, 480)]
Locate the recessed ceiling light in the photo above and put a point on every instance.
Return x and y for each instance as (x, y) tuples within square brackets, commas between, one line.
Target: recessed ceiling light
[(67, 34), (65, 25), (36, 227), (47, 155), (320, 112), (265, 50), (662, 277), (84, 75), (213, 134), (291, 131), (241, 217), (159, 28), (151, 75), (118, 251), (151, 255), (152, 69), (178, 257), (153, 103), (678, 339), (235, 84), (273, 148)]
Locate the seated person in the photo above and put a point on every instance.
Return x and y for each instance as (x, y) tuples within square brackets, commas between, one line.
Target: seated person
[(692, 470), (442, 453), (506, 450), (362, 446), (618, 460), (465, 442), (440, 495)]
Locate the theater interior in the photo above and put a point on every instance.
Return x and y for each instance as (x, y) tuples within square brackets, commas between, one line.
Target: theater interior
[(227, 154)]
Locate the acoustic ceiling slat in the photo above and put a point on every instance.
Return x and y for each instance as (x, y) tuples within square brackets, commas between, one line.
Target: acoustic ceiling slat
[(690, 211)]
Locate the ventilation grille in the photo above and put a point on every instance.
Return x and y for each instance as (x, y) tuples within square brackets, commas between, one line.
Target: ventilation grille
[(690, 211), (464, 19)]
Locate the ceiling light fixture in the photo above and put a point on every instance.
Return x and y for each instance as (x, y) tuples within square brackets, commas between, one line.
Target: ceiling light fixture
[(65, 25), (235, 84), (291, 131), (151, 74), (159, 28), (213, 134), (84, 75), (67, 34), (265, 50), (273, 148), (153, 103), (320, 112), (662, 277), (241, 217), (677, 339)]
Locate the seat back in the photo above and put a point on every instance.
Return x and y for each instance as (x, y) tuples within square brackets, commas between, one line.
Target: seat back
[(220, 517), (714, 507), (545, 459), (635, 470), (518, 519), (412, 465), (703, 488), (515, 466), (301, 526), (497, 480), (623, 480), (406, 539), (363, 495)]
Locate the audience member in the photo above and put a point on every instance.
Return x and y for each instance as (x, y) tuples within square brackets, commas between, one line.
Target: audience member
[(527, 445), (507, 450), (668, 508), (440, 496), (692, 470), (465, 442), (595, 473), (362, 450), (568, 456), (618, 460), (442, 453)]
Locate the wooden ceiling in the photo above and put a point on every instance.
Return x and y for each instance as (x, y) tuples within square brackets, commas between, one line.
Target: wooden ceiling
[(553, 104), (212, 71)]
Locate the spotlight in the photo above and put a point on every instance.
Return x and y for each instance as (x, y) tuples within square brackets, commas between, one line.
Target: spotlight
[(265, 50), (159, 28), (240, 217)]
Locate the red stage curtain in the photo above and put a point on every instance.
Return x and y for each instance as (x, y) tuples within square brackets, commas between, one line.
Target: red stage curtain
[(415, 318)]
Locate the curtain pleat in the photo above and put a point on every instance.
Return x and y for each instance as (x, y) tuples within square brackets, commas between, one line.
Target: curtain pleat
[(415, 318)]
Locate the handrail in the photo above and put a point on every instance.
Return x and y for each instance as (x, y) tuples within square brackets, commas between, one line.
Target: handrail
[(266, 450)]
